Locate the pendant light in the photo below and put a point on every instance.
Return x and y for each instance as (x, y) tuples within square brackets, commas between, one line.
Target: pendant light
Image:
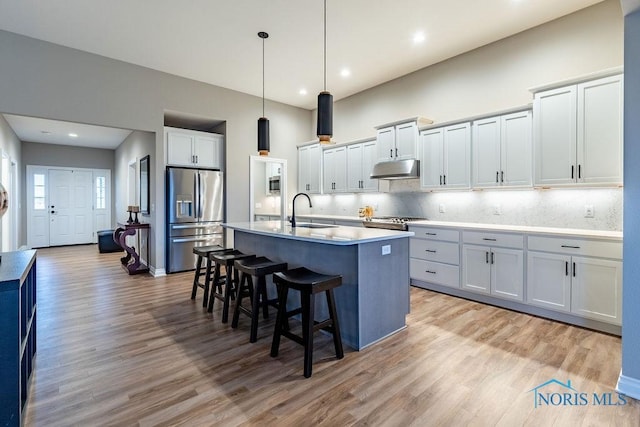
[(263, 122), (325, 99)]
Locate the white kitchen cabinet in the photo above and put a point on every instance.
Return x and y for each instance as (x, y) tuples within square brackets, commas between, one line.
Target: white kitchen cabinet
[(397, 142), (549, 280), (578, 133), (334, 164), (435, 256), (585, 278), (193, 149), (309, 170), (360, 160), (502, 151), (445, 159), (493, 270)]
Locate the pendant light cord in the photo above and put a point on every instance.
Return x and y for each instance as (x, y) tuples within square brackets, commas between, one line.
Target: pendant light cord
[(325, 45), (263, 77)]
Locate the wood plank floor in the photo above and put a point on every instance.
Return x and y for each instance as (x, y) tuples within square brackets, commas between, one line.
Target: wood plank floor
[(127, 350)]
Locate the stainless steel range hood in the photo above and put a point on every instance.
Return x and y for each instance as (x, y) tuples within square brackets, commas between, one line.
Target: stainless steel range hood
[(396, 169)]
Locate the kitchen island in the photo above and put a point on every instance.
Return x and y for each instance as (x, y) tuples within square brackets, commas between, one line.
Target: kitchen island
[(373, 301)]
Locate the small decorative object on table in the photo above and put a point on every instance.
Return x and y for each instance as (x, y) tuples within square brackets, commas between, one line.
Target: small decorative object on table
[(130, 209), (135, 210)]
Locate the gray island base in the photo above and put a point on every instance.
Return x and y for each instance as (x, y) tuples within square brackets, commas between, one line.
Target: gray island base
[(373, 301)]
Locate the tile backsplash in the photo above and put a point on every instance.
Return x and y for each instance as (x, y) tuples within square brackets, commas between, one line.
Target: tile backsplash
[(548, 208)]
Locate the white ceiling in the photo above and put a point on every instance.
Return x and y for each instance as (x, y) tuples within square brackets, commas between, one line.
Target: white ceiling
[(216, 41), (56, 132)]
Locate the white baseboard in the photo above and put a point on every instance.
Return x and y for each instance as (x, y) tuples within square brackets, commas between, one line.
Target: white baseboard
[(628, 386), (157, 272)]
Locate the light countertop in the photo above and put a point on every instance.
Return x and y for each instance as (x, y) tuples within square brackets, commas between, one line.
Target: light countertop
[(550, 231), (334, 235)]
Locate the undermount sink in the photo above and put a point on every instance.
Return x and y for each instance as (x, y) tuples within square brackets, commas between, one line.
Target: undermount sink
[(314, 225)]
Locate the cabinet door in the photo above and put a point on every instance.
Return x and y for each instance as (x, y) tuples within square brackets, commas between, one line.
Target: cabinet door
[(355, 167), (303, 169), (596, 289), (549, 280), (368, 160), (334, 163), (554, 136), (507, 273), (386, 142), (179, 149), (476, 268), (314, 161), (431, 148), (457, 156), (406, 141), (600, 131), (515, 158), (486, 152), (206, 151)]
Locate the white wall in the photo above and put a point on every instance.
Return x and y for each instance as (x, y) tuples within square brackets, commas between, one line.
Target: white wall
[(491, 78), (41, 79), (10, 144)]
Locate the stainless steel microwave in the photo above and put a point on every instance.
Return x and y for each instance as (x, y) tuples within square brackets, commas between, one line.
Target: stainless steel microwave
[(274, 184)]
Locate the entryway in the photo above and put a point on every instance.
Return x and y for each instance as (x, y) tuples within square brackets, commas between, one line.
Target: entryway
[(66, 206)]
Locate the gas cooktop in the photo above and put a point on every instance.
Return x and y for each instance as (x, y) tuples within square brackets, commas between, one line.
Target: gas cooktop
[(390, 222)]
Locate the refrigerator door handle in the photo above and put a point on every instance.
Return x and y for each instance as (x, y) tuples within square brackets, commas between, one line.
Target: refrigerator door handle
[(189, 239), (192, 226), (200, 197)]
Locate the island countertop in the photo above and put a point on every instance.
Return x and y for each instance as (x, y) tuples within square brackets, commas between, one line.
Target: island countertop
[(333, 234)]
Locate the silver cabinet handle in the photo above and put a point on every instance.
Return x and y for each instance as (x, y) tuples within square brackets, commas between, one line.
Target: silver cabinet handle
[(488, 239), (430, 250), (431, 234), (430, 272), (570, 247)]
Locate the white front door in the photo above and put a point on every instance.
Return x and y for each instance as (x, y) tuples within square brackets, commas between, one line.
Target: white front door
[(70, 204)]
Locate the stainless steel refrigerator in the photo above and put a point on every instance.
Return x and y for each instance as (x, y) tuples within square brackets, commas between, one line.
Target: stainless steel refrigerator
[(195, 211)]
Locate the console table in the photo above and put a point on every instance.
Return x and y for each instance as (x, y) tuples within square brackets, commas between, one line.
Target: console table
[(131, 262)]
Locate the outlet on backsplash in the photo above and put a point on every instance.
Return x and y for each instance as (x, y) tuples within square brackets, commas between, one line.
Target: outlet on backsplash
[(497, 210), (442, 208), (588, 211)]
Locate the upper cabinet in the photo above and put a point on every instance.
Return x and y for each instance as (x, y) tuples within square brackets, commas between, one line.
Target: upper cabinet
[(502, 151), (360, 160), (446, 157), (309, 170), (334, 167), (578, 133), (399, 141), (193, 148)]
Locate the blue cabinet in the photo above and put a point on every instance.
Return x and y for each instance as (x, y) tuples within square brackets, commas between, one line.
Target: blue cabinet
[(17, 332)]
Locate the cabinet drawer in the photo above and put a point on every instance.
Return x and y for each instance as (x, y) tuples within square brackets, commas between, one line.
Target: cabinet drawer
[(509, 240), (433, 272), (435, 233), (433, 250), (569, 246)]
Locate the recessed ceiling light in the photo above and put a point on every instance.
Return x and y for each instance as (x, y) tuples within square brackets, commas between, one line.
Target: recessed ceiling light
[(73, 135), (419, 37), (302, 91), (345, 72)]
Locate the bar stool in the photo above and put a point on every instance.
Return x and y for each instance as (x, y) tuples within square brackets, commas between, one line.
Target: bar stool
[(226, 258), (259, 267), (309, 283), (203, 253)]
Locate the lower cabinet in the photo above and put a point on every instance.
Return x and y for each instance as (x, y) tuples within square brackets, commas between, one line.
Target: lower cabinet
[(588, 287), (435, 256), (495, 271), (575, 275)]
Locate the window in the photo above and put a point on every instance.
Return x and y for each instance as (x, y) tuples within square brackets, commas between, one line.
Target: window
[(39, 201), (101, 198)]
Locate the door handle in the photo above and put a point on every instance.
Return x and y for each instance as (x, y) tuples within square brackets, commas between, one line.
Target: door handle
[(566, 268), (430, 251), (440, 179), (486, 257), (396, 152), (572, 167), (579, 171), (444, 179), (496, 177), (574, 269), (53, 212), (501, 176), (492, 258)]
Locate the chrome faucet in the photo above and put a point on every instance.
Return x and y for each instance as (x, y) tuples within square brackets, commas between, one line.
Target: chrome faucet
[(293, 207)]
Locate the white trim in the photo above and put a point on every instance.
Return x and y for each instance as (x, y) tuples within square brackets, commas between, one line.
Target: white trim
[(578, 79), (628, 386), (157, 272)]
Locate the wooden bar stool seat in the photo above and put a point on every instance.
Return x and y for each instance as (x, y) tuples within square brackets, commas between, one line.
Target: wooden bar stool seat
[(226, 259), (248, 268), (308, 283), (203, 254)]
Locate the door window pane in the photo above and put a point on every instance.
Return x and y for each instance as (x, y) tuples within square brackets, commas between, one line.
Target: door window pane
[(39, 192)]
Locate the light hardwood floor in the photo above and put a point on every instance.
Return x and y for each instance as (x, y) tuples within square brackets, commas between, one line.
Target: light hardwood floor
[(126, 350)]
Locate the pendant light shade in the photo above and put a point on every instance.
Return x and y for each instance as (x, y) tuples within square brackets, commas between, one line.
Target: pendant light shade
[(263, 136), (263, 122), (325, 99), (325, 116)]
